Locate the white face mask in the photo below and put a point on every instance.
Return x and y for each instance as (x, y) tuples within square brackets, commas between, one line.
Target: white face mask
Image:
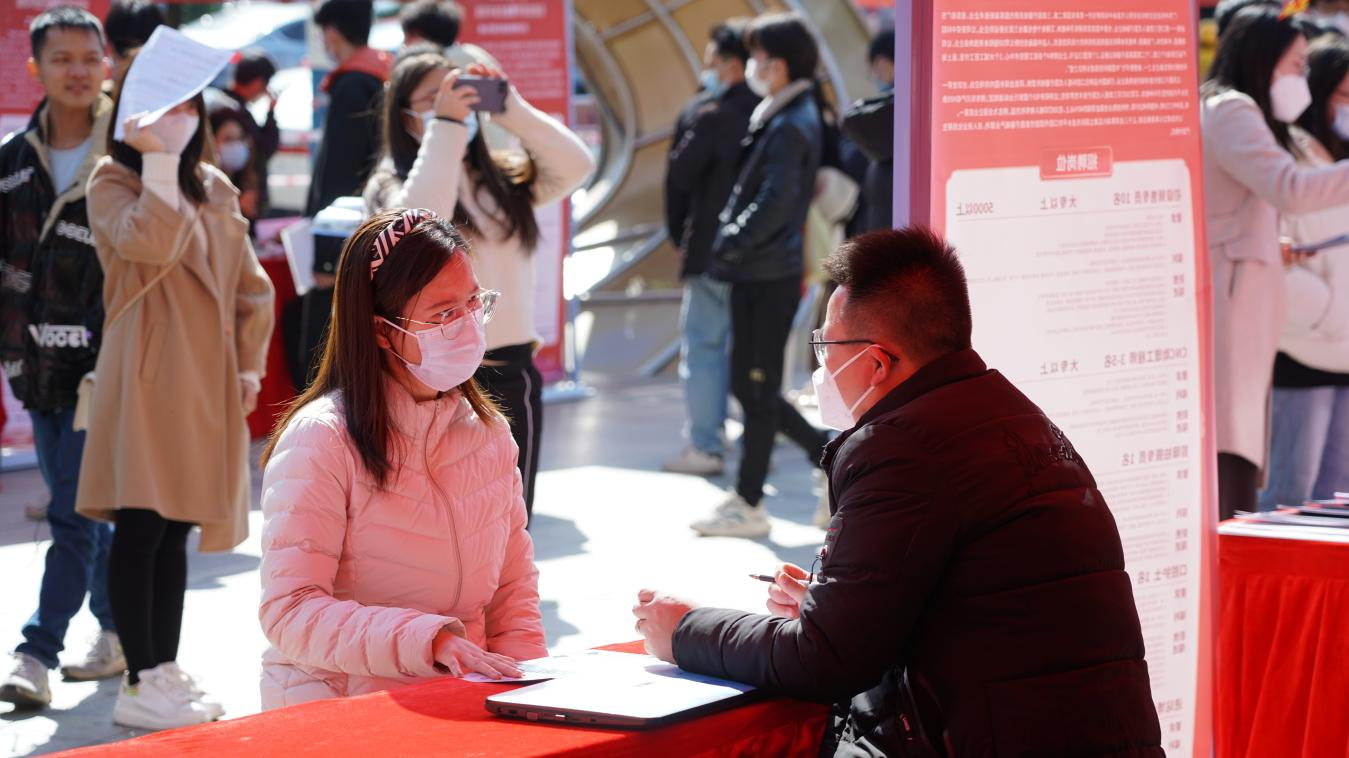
[(1289, 96), (757, 85), (710, 82), (446, 364), (835, 412), (175, 130), (1341, 125), (234, 156)]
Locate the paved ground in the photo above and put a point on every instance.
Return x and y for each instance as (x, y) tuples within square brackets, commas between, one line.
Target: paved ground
[(606, 524)]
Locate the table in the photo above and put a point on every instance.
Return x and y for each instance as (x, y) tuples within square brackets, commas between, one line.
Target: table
[(447, 717), (1283, 642)]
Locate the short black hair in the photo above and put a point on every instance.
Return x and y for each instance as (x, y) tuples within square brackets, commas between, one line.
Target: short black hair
[(254, 64), (785, 36), (62, 17), (908, 285), (728, 39), (130, 24), (351, 18), (882, 46), (1222, 15), (436, 21)]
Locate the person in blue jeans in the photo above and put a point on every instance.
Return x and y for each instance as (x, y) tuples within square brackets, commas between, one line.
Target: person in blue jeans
[(698, 181), (51, 316)]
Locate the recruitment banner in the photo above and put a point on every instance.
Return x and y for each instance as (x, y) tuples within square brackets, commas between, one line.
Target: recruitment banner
[(532, 41), (1056, 144)]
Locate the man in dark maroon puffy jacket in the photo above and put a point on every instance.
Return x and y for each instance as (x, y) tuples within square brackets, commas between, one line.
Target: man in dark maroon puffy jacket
[(972, 598)]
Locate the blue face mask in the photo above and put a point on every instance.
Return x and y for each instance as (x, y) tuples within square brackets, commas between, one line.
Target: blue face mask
[(710, 82), (428, 117), (472, 124)]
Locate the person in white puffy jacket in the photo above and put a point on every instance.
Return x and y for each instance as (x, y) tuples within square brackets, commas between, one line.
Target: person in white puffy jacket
[(1309, 450), (394, 547), (436, 157)]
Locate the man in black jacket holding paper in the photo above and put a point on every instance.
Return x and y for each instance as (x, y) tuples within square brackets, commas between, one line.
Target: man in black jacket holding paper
[(971, 598)]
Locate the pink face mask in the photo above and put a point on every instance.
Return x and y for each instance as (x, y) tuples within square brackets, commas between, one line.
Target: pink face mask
[(447, 363)]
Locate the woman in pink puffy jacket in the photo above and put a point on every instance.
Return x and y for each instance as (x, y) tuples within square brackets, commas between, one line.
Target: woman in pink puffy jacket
[(394, 548)]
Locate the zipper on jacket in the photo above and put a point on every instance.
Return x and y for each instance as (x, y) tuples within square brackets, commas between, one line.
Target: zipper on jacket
[(449, 508)]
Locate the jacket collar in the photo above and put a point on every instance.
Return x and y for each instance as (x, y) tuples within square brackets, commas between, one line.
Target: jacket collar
[(948, 369), (422, 421), (37, 138), (376, 63), (774, 104)]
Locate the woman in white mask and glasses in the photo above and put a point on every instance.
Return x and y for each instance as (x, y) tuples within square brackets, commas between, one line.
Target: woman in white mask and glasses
[(394, 548), (187, 325), (436, 157), (1252, 174), (1309, 436)]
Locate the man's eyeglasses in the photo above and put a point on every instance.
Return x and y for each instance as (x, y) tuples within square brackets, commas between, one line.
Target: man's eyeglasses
[(481, 305), (821, 344)]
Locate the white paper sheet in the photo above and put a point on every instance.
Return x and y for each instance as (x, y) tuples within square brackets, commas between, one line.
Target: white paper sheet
[(569, 664), (298, 241), (169, 69)]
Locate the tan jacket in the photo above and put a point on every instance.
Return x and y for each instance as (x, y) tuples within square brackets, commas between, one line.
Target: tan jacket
[(1248, 181), (167, 431)]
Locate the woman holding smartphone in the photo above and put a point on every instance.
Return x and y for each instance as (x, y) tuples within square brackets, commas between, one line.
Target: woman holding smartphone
[(436, 157)]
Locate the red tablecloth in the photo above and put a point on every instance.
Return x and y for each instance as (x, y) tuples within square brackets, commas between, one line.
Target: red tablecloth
[(447, 717), (1283, 648), (277, 389)]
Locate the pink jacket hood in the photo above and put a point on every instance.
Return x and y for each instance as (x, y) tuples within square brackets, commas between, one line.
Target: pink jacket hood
[(357, 580)]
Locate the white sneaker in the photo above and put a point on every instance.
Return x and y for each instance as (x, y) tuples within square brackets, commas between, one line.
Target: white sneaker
[(26, 686), (822, 515), (161, 700), (104, 660), (695, 463), (197, 693), (734, 518)]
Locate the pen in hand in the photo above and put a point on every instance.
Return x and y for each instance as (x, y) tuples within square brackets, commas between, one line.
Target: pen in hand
[(764, 578)]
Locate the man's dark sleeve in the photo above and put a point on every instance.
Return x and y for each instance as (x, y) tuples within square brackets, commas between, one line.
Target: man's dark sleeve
[(268, 139), (692, 152), (350, 138), (892, 547), (870, 124), (774, 199)]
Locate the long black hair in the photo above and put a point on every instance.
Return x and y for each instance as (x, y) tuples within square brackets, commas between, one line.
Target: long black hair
[(189, 163), (1248, 52), (505, 176), (1328, 64)]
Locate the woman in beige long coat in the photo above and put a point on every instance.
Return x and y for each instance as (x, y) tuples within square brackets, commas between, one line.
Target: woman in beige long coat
[(1251, 175), (189, 312)]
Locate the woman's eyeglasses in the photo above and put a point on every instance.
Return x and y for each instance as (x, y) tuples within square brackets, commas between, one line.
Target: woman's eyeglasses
[(481, 305)]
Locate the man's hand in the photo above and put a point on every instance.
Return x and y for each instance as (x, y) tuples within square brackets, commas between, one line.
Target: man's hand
[(658, 614), (785, 596)]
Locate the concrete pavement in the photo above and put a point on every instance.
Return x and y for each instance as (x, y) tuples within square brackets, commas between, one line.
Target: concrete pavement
[(606, 524)]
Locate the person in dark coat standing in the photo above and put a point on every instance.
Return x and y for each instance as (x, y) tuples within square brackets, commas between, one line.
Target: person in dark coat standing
[(971, 598), (759, 250), (253, 74), (351, 142), (698, 180)]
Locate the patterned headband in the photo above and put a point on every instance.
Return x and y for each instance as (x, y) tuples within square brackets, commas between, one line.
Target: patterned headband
[(387, 239)]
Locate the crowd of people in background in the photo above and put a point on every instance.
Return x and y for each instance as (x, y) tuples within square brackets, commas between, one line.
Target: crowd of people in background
[(415, 366), (1275, 120)]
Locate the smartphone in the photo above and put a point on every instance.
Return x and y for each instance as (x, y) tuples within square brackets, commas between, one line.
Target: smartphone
[(491, 92)]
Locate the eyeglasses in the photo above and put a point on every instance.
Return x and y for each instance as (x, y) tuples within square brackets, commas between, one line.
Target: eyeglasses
[(481, 305), (821, 344)]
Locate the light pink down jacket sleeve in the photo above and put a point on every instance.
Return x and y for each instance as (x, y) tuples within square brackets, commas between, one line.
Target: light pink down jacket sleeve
[(304, 502)]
